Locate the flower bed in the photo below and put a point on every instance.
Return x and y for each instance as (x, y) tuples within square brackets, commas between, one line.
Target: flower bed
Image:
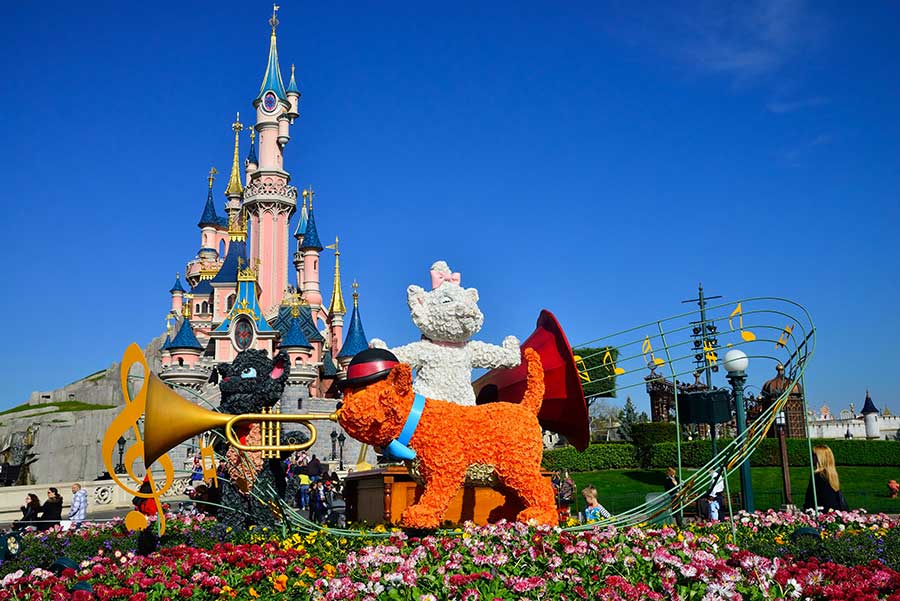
[(505, 561)]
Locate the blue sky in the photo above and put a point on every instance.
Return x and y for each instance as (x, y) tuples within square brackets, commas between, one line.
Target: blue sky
[(597, 159)]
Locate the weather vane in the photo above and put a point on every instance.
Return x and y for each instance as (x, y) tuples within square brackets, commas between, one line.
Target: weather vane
[(236, 126), (212, 175), (274, 20)]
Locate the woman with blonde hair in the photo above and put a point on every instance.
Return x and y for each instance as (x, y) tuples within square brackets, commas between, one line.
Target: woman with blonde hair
[(826, 482)]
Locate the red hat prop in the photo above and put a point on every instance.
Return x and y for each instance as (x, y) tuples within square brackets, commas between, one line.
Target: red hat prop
[(369, 366)]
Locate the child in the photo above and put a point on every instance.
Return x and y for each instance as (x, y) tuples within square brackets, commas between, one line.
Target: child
[(713, 508), (594, 510)]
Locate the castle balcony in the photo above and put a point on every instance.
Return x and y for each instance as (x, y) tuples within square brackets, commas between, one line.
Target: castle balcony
[(183, 375), (270, 189)]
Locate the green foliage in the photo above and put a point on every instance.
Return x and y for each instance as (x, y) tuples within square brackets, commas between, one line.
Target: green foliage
[(696, 453), (60, 407), (855, 547), (596, 457), (602, 374), (655, 451), (628, 418)]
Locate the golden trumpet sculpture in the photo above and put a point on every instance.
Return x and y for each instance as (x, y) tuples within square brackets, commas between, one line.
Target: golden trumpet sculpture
[(170, 419)]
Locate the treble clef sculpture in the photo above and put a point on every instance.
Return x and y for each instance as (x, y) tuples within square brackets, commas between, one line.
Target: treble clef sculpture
[(128, 419)]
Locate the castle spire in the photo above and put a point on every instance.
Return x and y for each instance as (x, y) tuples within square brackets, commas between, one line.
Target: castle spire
[(311, 234), (209, 216), (337, 306), (292, 85), (272, 78), (234, 188), (356, 340)]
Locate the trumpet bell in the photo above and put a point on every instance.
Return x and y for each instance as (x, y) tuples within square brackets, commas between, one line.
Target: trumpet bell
[(564, 409), (170, 419)]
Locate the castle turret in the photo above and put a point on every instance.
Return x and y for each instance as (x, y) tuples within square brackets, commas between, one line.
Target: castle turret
[(269, 199), (310, 248), (298, 236), (234, 190), (209, 220), (177, 292), (870, 417), (184, 347), (356, 340), (336, 309), (293, 95)]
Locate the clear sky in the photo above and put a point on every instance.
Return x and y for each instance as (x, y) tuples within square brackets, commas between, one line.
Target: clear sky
[(598, 159)]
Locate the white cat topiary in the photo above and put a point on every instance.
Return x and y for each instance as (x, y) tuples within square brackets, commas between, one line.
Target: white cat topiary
[(448, 316)]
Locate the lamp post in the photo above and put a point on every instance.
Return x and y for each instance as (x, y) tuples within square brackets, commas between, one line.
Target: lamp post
[(341, 440), (736, 363), (120, 467), (780, 423), (334, 437)]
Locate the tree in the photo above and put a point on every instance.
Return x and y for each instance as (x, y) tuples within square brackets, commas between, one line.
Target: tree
[(604, 416), (628, 417), (597, 369)]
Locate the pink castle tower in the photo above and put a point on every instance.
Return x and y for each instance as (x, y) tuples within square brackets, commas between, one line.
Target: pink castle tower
[(177, 292), (269, 199), (310, 247)]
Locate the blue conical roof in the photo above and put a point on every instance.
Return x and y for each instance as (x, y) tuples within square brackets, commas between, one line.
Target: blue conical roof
[(295, 337), (209, 216), (236, 255), (311, 236), (869, 406), (251, 156), (356, 340), (328, 368), (185, 337), (166, 344), (272, 79), (202, 288), (292, 85), (176, 287), (302, 222)]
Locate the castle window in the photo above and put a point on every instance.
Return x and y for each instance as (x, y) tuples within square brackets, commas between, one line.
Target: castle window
[(229, 302), (205, 308), (180, 361), (197, 308)]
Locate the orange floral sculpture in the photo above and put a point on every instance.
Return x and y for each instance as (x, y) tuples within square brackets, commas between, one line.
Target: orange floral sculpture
[(449, 438)]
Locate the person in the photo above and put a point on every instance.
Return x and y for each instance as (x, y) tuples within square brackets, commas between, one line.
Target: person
[(147, 506), (826, 482), (713, 507), (716, 490), (197, 471), (314, 469), (893, 489), (594, 510), (565, 492), (303, 493), (671, 484), (30, 512), (78, 510), (51, 512), (316, 502)]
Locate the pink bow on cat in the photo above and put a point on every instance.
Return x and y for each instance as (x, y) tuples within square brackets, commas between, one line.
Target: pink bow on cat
[(439, 277)]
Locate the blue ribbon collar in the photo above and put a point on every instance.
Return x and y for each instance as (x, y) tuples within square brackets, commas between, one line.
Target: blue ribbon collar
[(397, 448)]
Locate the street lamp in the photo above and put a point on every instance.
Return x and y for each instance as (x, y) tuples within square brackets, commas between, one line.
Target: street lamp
[(120, 468), (334, 437), (341, 440), (780, 423), (736, 363)]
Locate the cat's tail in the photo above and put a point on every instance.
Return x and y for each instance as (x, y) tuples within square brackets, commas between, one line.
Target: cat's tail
[(534, 388)]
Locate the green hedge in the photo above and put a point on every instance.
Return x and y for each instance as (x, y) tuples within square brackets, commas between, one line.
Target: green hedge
[(878, 453), (596, 457)]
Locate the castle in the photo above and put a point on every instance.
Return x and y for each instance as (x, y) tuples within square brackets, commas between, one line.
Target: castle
[(237, 294)]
